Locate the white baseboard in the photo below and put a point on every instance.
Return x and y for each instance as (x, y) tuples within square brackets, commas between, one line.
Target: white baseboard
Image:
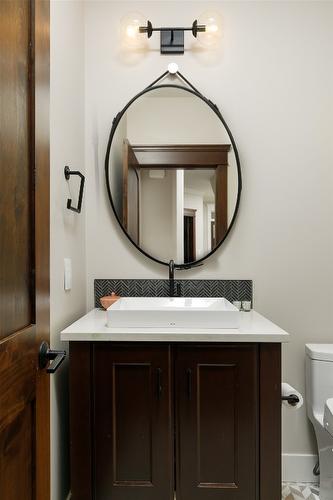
[(298, 468)]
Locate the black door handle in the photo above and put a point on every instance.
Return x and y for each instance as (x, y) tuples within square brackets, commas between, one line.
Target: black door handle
[(159, 383), (46, 355), (189, 383)]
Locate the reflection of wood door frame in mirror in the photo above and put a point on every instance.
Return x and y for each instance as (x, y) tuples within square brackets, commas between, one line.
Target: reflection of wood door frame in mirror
[(131, 192), (176, 156), (190, 213), (221, 203), (181, 156)]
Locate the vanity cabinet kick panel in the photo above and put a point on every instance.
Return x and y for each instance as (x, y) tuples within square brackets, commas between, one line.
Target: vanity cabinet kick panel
[(143, 412)]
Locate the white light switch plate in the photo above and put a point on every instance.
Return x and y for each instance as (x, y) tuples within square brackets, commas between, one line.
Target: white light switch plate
[(67, 274)]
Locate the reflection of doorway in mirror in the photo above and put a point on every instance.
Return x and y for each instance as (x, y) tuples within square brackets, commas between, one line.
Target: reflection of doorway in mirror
[(200, 195), (189, 235), (175, 198), (212, 230)]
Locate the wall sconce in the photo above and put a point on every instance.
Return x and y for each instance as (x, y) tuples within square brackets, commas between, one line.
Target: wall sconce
[(207, 29)]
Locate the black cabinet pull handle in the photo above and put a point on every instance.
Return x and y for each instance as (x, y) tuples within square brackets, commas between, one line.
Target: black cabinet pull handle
[(189, 383), (68, 172), (159, 383), (46, 355)]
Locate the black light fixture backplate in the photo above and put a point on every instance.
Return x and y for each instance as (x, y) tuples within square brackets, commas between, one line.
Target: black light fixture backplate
[(172, 42)]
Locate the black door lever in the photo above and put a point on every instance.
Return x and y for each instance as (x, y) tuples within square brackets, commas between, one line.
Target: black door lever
[(46, 355)]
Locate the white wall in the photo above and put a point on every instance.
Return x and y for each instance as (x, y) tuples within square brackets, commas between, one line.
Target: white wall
[(67, 228), (272, 79), (151, 120), (157, 233)]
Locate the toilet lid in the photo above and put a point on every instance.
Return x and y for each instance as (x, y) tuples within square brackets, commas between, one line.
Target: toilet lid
[(321, 352), (328, 416)]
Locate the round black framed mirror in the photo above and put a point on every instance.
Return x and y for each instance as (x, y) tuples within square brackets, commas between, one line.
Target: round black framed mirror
[(173, 174)]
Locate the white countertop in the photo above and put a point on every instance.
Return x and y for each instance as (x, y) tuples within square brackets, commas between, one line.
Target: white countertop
[(253, 328)]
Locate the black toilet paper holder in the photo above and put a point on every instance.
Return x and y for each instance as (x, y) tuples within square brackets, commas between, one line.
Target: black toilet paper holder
[(292, 399)]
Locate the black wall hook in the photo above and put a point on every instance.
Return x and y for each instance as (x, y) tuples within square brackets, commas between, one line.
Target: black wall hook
[(68, 172)]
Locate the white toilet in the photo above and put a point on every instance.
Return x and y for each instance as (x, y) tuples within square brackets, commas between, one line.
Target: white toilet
[(319, 402)]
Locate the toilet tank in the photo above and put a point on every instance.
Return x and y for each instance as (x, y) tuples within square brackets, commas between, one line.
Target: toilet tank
[(319, 378)]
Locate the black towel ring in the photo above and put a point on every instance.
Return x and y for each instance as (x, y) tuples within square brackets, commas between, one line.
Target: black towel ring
[(68, 172)]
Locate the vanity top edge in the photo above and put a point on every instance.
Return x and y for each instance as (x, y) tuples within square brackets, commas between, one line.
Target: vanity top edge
[(254, 328)]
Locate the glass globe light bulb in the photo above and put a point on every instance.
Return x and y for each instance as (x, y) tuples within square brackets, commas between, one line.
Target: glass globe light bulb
[(213, 33), (129, 28)]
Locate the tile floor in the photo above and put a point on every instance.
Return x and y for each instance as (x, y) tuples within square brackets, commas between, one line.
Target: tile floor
[(294, 491)]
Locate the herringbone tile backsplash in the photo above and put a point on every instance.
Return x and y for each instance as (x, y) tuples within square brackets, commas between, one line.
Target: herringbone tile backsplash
[(230, 289)]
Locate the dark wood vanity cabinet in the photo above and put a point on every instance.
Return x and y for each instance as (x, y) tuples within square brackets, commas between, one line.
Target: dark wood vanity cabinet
[(133, 422), (216, 415), (151, 419)]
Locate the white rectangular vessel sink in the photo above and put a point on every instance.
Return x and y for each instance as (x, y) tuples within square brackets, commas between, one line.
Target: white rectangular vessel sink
[(172, 312)]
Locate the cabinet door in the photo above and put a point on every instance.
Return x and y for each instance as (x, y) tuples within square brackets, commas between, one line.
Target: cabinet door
[(132, 423), (216, 423)]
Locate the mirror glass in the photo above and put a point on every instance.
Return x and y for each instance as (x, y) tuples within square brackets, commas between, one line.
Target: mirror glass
[(172, 175)]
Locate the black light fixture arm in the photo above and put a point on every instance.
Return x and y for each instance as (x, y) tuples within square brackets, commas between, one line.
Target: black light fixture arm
[(147, 29), (195, 28)]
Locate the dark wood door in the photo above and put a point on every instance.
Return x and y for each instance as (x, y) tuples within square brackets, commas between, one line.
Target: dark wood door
[(221, 202), (216, 423), (24, 249), (133, 423)]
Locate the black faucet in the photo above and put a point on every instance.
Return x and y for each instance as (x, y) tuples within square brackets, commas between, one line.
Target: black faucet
[(171, 278), (172, 268)]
